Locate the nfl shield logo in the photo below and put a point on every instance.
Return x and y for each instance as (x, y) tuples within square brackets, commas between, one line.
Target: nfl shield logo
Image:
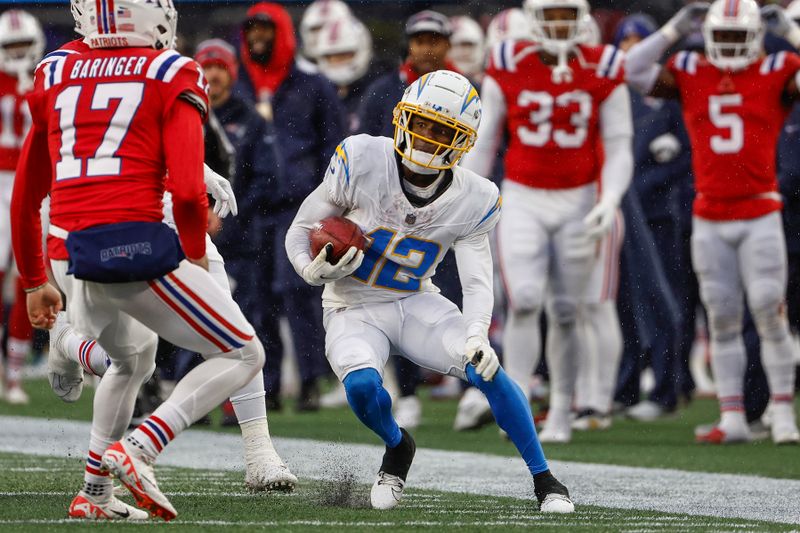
[(411, 218)]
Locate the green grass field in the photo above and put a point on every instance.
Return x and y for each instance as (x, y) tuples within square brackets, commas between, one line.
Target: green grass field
[(35, 492)]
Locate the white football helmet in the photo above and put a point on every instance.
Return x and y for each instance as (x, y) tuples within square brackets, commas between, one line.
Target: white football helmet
[(466, 46), (147, 23), (446, 98), (591, 33), (316, 15), (544, 30), (511, 23), (19, 28), (733, 15), (344, 36), (793, 10)]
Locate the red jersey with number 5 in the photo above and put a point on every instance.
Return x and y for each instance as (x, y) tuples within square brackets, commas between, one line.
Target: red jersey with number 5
[(15, 119), (104, 111), (734, 120), (554, 133)]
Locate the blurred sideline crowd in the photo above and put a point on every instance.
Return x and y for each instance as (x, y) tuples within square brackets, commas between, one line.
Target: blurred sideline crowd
[(284, 95)]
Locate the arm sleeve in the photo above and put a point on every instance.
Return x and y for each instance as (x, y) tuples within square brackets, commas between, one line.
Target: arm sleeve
[(31, 185), (482, 156), (642, 67), (317, 206), (184, 155), (474, 261), (616, 128)]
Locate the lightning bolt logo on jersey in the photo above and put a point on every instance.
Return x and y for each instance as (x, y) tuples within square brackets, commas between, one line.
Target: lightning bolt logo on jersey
[(405, 243)]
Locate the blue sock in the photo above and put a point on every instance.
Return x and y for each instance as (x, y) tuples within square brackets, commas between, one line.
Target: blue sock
[(513, 414), (372, 404)]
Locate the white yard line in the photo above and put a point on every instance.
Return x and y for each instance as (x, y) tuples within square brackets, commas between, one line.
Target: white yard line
[(625, 487)]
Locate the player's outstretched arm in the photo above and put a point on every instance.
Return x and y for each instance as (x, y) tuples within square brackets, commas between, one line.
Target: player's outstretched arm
[(184, 158), (616, 129), (317, 206), (642, 68), (481, 158), (474, 262)]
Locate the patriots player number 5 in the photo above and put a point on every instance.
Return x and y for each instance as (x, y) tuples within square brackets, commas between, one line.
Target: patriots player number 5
[(734, 141), (104, 162), (541, 118)]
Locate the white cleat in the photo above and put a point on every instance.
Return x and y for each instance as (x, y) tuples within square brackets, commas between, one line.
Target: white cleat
[(557, 503), (784, 423), (64, 374), (269, 476), (16, 396), (591, 420), (645, 411), (334, 398), (85, 507), (556, 431), (135, 471), (408, 412), (473, 412), (387, 491)]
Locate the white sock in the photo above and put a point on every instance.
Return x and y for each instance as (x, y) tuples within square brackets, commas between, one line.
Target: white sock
[(17, 354), (563, 346), (777, 356), (96, 482), (522, 345), (87, 353), (605, 349), (158, 430), (248, 402)]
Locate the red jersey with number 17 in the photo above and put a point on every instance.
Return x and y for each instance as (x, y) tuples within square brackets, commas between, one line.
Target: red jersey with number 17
[(554, 128), (734, 120), (104, 111)]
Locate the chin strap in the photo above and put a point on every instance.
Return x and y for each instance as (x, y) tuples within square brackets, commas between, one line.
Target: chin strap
[(561, 72)]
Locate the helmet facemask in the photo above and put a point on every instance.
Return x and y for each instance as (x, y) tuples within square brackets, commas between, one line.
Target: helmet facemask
[(559, 29), (445, 154), (733, 48)]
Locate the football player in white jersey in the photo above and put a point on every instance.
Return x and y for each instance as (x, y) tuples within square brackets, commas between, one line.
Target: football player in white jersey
[(414, 204)]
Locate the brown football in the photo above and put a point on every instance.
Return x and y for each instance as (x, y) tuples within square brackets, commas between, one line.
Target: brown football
[(341, 232)]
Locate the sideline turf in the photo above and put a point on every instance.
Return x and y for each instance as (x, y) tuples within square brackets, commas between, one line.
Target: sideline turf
[(666, 444)]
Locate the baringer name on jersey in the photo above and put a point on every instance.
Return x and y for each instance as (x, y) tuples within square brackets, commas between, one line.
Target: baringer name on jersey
[(107, 67)]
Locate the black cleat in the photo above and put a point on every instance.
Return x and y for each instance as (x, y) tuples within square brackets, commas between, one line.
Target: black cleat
[(553, 496)]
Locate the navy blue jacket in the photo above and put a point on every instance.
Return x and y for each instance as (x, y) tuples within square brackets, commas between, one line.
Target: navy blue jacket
[(355, 95), (660, 186), (789, 179), (255, 175), (308, 122), (380, 98)]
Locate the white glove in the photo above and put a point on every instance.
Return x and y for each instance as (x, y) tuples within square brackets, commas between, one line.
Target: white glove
[(220, 189), (600, 218), (685, 21), (665, 148), (780, 24), (482, 356), (319, 271)]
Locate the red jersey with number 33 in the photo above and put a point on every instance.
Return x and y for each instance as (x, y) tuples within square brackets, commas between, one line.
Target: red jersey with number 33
[(15, 119), (734, 120), (104, 111), (554, 132)]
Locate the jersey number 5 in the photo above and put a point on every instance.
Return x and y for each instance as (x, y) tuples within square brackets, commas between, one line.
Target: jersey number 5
[(392, 275), (104, 162), (541, 118), (733, 142)]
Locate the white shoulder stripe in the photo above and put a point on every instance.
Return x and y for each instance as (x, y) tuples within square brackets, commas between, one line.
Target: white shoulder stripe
[(497, 54), (156, 64), (691, 66), (616, 65), (509, 56), (174, 68), (605, 60)]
